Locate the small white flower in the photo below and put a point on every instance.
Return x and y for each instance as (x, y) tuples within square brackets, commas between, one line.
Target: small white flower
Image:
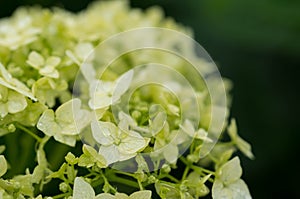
[(65, 123), (83, 52), (105, 93), (45, 67), (116, 144), (201, 134), (83, 190), (18, 31), (11, 101), (8, 81)]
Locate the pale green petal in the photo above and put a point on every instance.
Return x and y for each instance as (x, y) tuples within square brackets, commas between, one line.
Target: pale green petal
[(3, 110), (47, 123), (83, 50), (241, 144), (31, 114), (122, 85), (121, 196), (102, 132), (158, 122), (126, 121), (202, 134), (73, 57), (35, 60), (231, 171), (49, 71), (3, 165), (171, 152), (132, 144), (146, 194), (99, 101), (232, 130), (82, 189), (240, 190), (94, 155), (3, 93), (65, 112), (16, 102), (236, 190), (52, 61), (110, 153), (65, 139), (245, 147), (14, 84), (82, 119), (105, 196), (126, 156), (188, 128)]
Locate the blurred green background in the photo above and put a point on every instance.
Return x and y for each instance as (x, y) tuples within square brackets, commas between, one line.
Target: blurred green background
[(256, 43)]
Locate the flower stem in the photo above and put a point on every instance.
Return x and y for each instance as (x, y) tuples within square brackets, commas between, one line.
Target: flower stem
[(186, 171), (63, 195), (29, 132), (114, 178), (196, 168)]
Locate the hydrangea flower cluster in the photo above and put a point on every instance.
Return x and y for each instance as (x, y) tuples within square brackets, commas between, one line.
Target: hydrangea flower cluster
[(42, 51)]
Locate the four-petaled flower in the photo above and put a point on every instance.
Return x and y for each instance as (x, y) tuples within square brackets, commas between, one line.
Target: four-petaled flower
[(106, 93), (201, 134), (11, 101), (117, 144), (65, 123), (46, 67)]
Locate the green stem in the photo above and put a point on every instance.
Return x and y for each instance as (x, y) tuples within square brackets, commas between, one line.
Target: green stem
[(114, 178), (124, 173), (107, 183), (186, 171), (140, 185), (29, 132), (63, 195), (170, 177), (196, 168)]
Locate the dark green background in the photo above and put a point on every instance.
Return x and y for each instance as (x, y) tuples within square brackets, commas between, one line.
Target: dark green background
[(256, 43)]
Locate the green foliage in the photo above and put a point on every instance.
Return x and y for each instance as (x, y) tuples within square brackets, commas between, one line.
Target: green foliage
[(41, 52)]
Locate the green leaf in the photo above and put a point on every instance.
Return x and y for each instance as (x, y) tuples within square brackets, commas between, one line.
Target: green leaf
[(82, 189), (3, 165), (146, 194)]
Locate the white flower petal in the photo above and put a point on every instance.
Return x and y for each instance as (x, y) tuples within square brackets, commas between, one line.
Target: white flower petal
[(110, 153), (122, 85), (82, 189), (102, 132)]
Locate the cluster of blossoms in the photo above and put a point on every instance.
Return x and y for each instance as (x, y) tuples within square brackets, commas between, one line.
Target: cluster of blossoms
[(42, 52)]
